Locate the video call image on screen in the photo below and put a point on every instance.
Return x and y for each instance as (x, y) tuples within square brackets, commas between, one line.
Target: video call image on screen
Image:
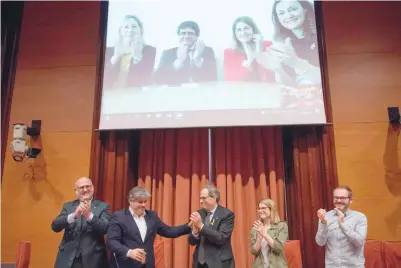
[(204, 63)]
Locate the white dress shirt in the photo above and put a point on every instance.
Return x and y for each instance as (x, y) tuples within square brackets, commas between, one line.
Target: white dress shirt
[(141, 223)]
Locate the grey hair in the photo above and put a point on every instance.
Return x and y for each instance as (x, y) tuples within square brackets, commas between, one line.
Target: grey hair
[(138, 192), (213, 192)]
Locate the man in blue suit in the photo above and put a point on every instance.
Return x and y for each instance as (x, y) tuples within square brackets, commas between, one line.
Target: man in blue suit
[(132, 231)]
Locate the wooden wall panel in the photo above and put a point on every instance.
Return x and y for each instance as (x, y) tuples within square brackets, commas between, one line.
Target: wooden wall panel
[(364, 63), (364, 85), (63, 96), (355, 27), (369, 161), (34, 191), (56, 33), (55, 82)]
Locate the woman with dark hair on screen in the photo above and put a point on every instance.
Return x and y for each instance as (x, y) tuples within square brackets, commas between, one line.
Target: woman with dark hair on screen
[(240, 60), (130, 62), (268, 237), (295, 42)]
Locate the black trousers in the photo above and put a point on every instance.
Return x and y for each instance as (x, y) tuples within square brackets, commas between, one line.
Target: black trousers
[(77, 263), (225, 264)]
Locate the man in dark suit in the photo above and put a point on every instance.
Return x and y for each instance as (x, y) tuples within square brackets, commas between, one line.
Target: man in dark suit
[(212, 227), (132, 232), (84, 222), (191, 61)]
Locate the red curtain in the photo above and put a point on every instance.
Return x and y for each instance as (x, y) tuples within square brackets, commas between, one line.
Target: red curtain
[(311, 177), (247, 167), (113, 165), (11, 20), (173, 165)]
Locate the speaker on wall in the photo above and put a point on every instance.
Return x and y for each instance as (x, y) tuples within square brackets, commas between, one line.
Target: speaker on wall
[(393, 115)]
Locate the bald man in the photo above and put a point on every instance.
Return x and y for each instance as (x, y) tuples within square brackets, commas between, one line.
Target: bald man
[(85, 223)]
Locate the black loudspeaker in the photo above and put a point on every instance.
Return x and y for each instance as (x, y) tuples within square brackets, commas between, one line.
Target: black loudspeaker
[(393, 115)]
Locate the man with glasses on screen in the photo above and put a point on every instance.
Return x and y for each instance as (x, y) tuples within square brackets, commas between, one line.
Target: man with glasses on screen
[(191, 61), (342, 231)]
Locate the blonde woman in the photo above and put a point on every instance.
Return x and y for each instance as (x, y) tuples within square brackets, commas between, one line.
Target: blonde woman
[(268, 237), (130, 62)]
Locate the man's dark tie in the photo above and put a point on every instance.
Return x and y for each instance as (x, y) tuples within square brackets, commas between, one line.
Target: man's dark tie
[(201, 253)]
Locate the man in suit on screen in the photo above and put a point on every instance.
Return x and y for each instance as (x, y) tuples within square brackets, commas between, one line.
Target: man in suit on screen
[(132, 232), (191, 61), (84, 222), (212, 227)]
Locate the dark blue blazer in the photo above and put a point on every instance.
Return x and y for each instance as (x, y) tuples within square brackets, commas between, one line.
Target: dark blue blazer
[(82, 237), (123, 234)]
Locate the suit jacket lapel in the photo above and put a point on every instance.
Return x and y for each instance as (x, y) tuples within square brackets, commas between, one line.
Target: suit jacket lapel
[(94, 207), (74, 206), (149, 227), (132, 227), (216, 218)]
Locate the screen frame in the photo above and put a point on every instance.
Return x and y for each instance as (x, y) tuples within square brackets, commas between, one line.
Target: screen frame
[(104, 8)]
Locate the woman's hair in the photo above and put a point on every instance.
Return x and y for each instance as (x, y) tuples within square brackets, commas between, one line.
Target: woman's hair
[(309, 25), (274, 217), (247, 20), (127, 17)]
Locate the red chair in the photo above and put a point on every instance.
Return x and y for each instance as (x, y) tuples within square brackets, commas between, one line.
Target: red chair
[(392, 253), (158, 247), (23, 254), (292, 252), (373, 254)]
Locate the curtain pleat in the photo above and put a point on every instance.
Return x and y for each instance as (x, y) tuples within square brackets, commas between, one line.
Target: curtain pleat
[(311, 178), (113, 166), (247, 166)]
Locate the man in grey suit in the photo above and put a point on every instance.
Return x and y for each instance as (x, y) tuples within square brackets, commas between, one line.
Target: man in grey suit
[(212, 227), (85, 223)]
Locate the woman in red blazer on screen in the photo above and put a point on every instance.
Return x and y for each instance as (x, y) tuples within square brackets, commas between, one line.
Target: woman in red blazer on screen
[(240, 61)]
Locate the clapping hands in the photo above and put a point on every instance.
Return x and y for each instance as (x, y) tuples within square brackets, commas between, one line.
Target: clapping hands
[(84, 208)]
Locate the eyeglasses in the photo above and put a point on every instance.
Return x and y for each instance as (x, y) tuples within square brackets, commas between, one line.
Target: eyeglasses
[(83, 187), (342, 198), (187, 33), (262, 208), (203, 197)]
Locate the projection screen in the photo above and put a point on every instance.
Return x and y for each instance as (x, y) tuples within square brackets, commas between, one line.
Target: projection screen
[(204, 63)]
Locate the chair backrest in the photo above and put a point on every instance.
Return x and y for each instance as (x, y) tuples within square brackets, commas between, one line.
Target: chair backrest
[(292, 252), (158, 248), (23, 254), (392, 253), (373, 254)]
